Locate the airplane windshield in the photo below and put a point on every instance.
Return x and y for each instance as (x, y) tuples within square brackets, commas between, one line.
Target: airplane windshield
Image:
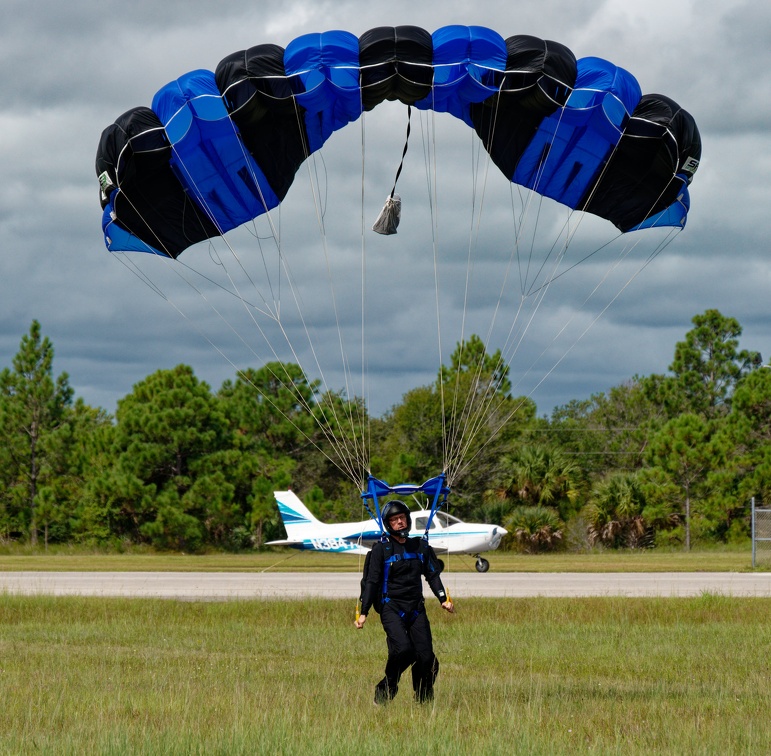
[(441, 520)]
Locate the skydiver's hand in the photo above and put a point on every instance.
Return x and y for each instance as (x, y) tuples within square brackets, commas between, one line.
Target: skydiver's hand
[(449, 606), (359, 621)]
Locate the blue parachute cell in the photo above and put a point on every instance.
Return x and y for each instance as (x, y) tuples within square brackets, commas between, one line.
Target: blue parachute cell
[(571, 146), (208, 156), (464, 59), (324, 71)]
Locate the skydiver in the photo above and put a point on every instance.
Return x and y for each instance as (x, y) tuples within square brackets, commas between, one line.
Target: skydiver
[(392, 584)]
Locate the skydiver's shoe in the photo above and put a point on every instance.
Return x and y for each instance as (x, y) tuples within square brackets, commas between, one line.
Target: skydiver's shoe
[(383, 695), (423, 696)]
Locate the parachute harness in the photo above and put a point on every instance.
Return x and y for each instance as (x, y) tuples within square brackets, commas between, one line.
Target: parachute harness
[(434, 487)]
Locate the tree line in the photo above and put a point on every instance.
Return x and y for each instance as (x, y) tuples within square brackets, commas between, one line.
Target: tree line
[(659, 460)]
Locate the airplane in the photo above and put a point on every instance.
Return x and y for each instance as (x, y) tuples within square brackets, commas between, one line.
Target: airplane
[(447, 534)]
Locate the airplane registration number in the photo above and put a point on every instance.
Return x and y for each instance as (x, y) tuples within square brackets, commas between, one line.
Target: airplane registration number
[(330, 544)]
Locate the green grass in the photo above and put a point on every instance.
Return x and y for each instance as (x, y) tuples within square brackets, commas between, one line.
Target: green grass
[(705, 559), (529, 676)]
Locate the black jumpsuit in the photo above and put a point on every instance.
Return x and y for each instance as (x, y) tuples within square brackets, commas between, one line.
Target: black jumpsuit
[(403, 615)]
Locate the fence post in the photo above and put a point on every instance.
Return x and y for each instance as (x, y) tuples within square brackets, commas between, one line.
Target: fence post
[(753, 532)]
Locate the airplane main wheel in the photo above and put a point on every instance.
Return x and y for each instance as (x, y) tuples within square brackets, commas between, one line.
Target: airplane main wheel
[(482, 565)]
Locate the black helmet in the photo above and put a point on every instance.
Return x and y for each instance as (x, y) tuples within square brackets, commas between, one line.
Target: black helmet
[(395, 507)]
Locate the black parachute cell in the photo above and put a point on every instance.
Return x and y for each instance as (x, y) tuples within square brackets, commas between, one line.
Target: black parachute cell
[(655, 158), (539, 77), (135, 153), (396, 64), (260, 102)]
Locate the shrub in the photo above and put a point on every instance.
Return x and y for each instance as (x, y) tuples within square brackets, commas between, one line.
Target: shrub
[(534, 529)]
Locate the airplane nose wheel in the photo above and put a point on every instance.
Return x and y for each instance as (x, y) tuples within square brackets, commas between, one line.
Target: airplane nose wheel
[(482, 565)]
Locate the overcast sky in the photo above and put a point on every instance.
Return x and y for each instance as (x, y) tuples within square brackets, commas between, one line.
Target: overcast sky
[(69, 69)]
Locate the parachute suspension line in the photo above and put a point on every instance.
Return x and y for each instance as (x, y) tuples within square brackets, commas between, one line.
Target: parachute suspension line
[(480, 400), (461, 418), (476, 415), (596, 318), (476, 404), (429, 141), (125, 260), (365, 433), (528, 289), (509, 352), (671, 235), (541, 169), (217, 312), (178, 264), (274, 315), (348, 454), (478, 410), (479, 405), (569, 235), (344, 461), (354, 449), (204, 204), (607, 306), (275, 232), (140, 274), (586, 257), (157, 240), (466, 424)]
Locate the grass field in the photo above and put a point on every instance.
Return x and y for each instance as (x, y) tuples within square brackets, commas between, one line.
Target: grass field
[(525, 676), (718, 559)]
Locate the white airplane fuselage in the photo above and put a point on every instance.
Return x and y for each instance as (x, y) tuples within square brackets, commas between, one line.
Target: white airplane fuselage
[(447, 534)]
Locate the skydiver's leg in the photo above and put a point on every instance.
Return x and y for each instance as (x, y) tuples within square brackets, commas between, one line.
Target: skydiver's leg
[(400, 654), (426, 666)]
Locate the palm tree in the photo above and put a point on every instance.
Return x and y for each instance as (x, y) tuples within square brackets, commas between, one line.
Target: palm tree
[(615, 512), (543, 476), (534, 529)]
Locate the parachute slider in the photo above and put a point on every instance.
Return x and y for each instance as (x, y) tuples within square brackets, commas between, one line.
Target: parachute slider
[(388, 220)]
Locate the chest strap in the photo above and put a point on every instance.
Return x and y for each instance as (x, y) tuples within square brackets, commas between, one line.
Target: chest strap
[(407, 555)]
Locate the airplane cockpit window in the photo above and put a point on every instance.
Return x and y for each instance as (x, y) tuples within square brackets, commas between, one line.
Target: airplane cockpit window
[(420, 523), (440, 520), (445, 520)]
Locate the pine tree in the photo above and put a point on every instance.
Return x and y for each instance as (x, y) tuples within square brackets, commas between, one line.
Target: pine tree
[(32, 404)]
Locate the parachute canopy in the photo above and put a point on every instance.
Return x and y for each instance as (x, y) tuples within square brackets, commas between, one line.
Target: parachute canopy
[(217, 149)]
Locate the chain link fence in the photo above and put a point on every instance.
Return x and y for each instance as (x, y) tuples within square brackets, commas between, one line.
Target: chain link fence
[(761, 535)]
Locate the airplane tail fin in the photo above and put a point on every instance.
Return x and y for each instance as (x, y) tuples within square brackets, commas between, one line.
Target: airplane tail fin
[(297, 518)]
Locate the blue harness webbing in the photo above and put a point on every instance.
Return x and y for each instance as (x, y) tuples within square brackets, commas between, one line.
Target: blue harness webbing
[(387, 568)]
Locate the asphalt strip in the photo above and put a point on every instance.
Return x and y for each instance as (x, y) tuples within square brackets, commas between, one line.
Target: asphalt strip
[(297, 585)]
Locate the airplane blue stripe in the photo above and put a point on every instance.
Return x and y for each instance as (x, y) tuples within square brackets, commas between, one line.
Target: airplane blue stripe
[(291, 517)]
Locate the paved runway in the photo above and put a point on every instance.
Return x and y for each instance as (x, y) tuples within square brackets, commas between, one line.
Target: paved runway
[(297, 585)]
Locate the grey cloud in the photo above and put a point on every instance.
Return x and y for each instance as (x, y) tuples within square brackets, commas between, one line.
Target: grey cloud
[(74, 67)]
